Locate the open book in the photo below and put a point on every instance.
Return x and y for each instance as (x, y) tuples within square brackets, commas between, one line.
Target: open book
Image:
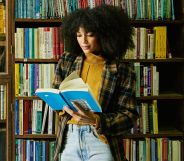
[(71, 90)]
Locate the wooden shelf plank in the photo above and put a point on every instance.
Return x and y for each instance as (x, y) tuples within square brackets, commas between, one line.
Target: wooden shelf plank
[(167, 60), (19, 60), (133, 136), (164, 96), (35, 136), (161, 134), (133, 22)]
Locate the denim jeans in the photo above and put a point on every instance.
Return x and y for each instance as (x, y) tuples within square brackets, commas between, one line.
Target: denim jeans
[(82, 144)]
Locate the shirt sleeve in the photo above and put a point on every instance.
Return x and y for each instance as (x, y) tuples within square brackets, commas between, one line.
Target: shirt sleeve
[(57, 77), (123, 114)]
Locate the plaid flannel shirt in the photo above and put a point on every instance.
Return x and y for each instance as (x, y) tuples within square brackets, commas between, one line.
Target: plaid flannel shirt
[(116, 97)]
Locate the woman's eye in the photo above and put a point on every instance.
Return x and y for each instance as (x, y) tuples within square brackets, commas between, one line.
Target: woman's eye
[(79, 35), (90, 34)]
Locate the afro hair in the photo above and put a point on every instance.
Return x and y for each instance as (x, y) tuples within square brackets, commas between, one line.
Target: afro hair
[(109, 23)]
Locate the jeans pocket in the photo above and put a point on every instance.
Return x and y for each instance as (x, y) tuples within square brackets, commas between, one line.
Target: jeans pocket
[(95, 134), (100, 137)]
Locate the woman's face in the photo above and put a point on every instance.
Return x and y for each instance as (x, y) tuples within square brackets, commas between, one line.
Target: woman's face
[(87, 41)]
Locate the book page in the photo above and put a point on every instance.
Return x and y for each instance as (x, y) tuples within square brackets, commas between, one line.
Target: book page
[(75, 84), (72, 76)]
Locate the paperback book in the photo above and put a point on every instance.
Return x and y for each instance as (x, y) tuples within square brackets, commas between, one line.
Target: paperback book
[(72, 89)]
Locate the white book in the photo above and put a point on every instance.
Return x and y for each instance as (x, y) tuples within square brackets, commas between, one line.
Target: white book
[(36, 43), (143, 44), (50, 121), (44, 117), (155, 81), (35, 103)]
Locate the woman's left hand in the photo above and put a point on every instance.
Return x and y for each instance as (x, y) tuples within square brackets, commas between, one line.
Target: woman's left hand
[(82, 115)]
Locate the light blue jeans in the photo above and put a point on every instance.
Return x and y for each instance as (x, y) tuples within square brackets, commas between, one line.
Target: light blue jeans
[(82, 144)]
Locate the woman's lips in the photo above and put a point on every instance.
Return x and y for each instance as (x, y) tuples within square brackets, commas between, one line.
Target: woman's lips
[(85, 47)]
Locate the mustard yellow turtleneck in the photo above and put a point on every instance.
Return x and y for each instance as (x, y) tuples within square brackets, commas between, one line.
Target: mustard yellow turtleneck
[(91, 74)]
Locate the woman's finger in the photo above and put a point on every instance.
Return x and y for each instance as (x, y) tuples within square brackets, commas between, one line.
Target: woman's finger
[(68, 110)]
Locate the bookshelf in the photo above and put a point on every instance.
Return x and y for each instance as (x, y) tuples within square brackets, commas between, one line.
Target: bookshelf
[(170, 100), (5, 81)]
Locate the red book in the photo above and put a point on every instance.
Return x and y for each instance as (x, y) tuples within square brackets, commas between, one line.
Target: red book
[(54, 42), (164, 149), (25, 116)]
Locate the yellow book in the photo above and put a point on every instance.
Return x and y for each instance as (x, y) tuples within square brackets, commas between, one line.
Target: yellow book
[(157, 42), (160, 42), (159, 148), (17, 80), (155, 117), (2, 20), (163, 45), (148, 151)]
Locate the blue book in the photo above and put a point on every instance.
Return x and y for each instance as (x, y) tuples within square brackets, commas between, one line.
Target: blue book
[(16, 117), (72, 91)]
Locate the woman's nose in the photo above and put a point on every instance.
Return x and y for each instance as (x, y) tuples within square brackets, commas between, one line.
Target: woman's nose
[(84, 39)]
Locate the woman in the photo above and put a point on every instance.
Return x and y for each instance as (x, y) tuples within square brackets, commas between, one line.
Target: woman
[(97, 39)]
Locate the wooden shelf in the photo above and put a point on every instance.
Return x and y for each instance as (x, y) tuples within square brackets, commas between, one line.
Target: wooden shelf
[(167, 60), (164, 96), (160, 135), (29, 20), (35, 136), (133, 22), (156, 22), (27, 97), (57, 22), (19, 60)]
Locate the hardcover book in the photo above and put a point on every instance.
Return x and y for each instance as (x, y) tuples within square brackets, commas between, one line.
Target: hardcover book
[(72, 89)]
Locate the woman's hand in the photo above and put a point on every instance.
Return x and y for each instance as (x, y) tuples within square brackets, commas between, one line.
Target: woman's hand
[(82, 115)]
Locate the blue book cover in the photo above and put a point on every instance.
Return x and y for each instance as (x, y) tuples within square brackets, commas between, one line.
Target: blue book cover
[(31, 150), (72, 90), (16, 117)]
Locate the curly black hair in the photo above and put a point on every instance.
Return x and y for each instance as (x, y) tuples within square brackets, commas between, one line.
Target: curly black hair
[(109, 23)]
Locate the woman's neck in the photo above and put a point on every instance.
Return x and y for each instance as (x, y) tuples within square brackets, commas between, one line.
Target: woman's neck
[(94, 59)]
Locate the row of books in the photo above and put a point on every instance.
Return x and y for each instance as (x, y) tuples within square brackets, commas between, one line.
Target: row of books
[(34, 150), (3, 101), (149, 9), (153, 149), (148, 118), (29, 77), (147, 80), (2, 17), (34, 117), (136, 9), (46, 42), (42, 42), (50, 9), (150, 43)]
